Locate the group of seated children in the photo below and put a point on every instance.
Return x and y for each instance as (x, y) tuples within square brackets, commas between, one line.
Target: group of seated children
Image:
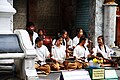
[(63, 48)]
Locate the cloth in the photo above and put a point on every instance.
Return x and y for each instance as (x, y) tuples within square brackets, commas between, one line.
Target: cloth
[(35, 35), (53, 42), (70, 43), (75, 41)]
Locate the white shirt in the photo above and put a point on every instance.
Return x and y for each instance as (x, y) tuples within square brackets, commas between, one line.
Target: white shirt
[(59, 54), (75, 41), (102, 51), (35, 35), (80, 51), (70, 43), (53, 42), (42, 54)]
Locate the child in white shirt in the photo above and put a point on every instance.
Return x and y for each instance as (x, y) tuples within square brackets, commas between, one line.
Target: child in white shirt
[(80, 51), (42, 55)]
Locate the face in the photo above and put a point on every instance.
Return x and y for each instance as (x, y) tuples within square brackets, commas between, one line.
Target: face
[(59, 41), (67, 38), (100, 41), (32, 28), (39, 44), (65, 35), (83, 42), (80, 33), (40, 32)]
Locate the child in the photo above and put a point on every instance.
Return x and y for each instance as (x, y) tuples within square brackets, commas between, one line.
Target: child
[(42, 55), (81, 52), (59, 55)]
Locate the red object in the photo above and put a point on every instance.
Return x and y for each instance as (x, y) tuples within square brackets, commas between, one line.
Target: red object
[(47, 40)]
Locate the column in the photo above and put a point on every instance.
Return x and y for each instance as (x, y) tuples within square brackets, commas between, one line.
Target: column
[(11, 19), (110, 24), (6, 12)]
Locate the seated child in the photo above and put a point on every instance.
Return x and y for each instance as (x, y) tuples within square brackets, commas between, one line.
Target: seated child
[(42, 55)]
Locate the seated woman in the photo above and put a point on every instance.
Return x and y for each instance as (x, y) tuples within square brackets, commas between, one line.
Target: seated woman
[(59, 55), (42, 54), (80, 51), (79, 33), (102, 51)]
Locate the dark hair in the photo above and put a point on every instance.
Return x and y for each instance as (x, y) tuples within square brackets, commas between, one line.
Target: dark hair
[(82, 38), (101, 38), (38, 39), (40, 30), (30, 32), (63, 31), (30, 24), (58, 37), (78, 30)]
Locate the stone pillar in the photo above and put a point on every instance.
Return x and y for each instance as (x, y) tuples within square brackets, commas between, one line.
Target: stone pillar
[(6, 12), (11, 19), (110, 24)]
